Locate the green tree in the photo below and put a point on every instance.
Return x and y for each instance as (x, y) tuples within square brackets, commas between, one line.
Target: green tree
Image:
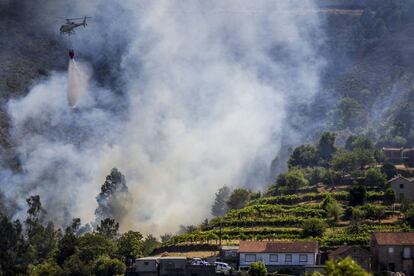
[(344, 161), (344, 267), (47, 268), (389, 170), (326, 146), (111, 200), (357, 195), (364, 157), (149, 244), (359, 142), (105, 266), (130, 245), (93, 245), (108, 227), (220, 207), (295, 179), (313, 227), (389, 196), (303, 156), (238, 199), (334, 210), (349, 113), (257, 269), (75, 266), (374, 177), (67, 246), (13, 248)]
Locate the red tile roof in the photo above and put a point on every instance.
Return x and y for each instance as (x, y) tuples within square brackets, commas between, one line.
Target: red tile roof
[(278, 247), (345, 248), (394, 238)]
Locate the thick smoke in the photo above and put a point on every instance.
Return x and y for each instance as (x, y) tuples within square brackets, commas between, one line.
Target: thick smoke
[(208, 86)]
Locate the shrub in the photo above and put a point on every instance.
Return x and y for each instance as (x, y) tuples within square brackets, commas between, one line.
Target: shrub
[(105, 266), (389, 196), (257, 269), (313, 227), (374, 177)]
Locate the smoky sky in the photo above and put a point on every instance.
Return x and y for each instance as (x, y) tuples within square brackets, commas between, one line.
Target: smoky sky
[(196, 95)]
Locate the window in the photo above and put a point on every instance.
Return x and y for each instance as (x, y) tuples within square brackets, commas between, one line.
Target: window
[(390, 250), (146, 263), (407, 252), (250, 258), (273, 258), (303, 258), (288, 258), (401, 186)]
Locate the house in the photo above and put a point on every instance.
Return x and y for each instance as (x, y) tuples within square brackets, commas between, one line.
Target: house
[(393, 252), (394, 155), (359, 255), (172, 266), (403, 187), (281, 255), (230, 255)]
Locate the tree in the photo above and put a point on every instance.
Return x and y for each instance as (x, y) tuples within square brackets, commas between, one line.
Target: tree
[(13, 247), (166, 237), (75, 266), (357, 214), (374, 177), (313, 227), (326, 146), (295, 179), (238, 199), (334, 210), (48, 268), (364, 157), (257, 269), (149, 244), (105, 266), (219, 207), (130, 245), (67, 247), (349, 113), (112, 198), (389, 170), (359, 142), (389, 196), (303, 156), (357, 195), (108, 227), (344, 267), (374, 212), (344, 161), (93, 245)]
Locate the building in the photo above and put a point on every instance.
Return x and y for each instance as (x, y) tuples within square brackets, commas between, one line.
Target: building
[(292, 256), (394, 155), (393, 252), (147, 266), (403, 187), (359, 255), (230, 255)]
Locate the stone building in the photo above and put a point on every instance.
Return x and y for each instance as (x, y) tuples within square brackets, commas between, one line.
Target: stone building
[(358, 254), (393, 252), (403, 187)]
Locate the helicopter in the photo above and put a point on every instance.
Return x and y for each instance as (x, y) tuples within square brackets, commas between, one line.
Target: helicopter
[(71, 24)]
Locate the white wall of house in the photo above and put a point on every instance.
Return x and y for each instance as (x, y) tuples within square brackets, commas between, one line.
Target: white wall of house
[(403, 188), (282, 259)]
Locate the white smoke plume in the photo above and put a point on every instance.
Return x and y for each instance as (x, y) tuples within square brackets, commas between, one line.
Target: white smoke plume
[(78, 76), (209, 87)]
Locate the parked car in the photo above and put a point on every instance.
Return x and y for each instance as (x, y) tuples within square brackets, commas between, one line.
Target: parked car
[(222, 268), (198, 261)]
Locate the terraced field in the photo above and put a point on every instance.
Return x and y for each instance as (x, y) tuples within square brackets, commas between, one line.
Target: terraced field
[(282, 217)]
